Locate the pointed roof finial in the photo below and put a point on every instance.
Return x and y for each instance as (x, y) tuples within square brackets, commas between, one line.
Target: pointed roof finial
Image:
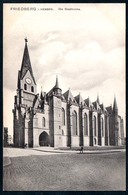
[(41, 94), (26, 40), (98, 101), (57, 83), (115, 108)]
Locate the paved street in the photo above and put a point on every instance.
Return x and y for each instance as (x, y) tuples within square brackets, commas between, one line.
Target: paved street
[(32, 170)]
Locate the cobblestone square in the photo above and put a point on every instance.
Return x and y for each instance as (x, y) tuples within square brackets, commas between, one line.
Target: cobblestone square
[(42, 171)]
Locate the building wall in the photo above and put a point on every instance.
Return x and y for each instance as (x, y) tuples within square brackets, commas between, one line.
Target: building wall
[(28, 98), (119, 132), (116, 129), (106, 130), (111, 132), (57, 121), (19, 124), (64, 136), (27, 130), (122, 132), (69, 118), (95, 137), (75, 139), (40, 124), (103, 131), (23, 81), (28, 127), (86, 138)]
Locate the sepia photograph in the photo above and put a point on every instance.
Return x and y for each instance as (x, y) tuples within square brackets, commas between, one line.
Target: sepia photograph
[(64, 117)]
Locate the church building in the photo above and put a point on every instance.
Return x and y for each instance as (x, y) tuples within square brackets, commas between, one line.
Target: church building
[(59, 119)]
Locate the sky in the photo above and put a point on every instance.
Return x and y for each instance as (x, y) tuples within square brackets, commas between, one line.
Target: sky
[(84, 46)]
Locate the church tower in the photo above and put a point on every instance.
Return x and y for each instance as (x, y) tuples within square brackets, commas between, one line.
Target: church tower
[(26, 90), (55, 114)]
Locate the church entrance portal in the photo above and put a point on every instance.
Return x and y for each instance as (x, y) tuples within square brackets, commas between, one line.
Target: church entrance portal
[(44, 139)]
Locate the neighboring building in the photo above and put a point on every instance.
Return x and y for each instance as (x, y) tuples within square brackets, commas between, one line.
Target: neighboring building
[(59, 119), (5, 137)]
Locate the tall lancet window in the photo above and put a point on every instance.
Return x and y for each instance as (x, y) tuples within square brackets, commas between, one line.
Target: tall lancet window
[(63, 116), (94, 126), (25, 86), (74, 123), (43, 122), (85, 125), (102, 127), (32, 89)]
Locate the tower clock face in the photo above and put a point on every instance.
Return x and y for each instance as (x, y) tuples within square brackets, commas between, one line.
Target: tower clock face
[(28, 81)]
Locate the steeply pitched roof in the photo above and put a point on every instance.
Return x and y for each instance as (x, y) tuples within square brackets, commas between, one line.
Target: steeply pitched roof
[(96, 105), (26, 64), (79, 99), (103, 108), (89, 103), (69, 97), (109, 109)]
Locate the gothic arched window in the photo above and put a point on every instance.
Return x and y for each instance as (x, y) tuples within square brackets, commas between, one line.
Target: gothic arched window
[(43, 122), (102, 127), (32, 89), (25, 86), (85, 124), (94, 126), (63, 116), (74, 123)]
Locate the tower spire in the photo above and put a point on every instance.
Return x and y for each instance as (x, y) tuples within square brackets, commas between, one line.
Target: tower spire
[(115, 108), (57, 83), (26, 63), (56, 88)]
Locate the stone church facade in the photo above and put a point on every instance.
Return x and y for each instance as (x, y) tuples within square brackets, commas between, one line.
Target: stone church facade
[(59, 119)]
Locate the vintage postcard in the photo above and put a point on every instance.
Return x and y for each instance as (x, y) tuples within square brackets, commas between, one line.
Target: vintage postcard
[(64, 97)]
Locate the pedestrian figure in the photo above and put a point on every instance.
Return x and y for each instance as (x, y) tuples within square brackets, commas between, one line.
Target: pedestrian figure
[(81, 150), (25, 145)]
